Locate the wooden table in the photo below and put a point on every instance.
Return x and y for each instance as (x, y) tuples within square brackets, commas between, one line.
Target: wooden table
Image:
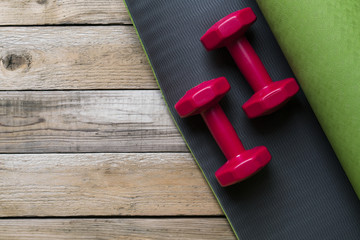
[(88, 148)]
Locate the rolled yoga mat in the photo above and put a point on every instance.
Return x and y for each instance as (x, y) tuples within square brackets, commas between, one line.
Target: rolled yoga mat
[(303, 193), (321, 41)]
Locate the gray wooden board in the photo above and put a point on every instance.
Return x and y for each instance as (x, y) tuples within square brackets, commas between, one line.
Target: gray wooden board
[(303, 193), (86, 121)]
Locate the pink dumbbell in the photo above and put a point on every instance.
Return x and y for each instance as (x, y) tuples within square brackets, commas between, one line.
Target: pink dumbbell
[(241, 164), (229, 32)]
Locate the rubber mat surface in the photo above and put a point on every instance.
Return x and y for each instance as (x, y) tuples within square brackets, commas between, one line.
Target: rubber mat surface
[(321, 40), (303, 193)]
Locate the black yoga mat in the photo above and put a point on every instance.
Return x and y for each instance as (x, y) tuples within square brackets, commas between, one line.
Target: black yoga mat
[(303, 193)]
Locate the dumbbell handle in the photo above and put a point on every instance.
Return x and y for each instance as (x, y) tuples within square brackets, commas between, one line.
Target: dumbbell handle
[(223, 131), (249, 63)]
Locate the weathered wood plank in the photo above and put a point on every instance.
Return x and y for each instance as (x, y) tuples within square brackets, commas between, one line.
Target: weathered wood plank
[(86, 121), (40, 12), (146, 184), (192, 228), (97, 57)]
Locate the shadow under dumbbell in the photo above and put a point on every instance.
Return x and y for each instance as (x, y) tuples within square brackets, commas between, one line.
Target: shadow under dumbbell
[(251, 187), (272, 123)]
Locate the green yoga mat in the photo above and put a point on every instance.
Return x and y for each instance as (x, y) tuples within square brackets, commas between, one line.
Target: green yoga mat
[(321, 41)]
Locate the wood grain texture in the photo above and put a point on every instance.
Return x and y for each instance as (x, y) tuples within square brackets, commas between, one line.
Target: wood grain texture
[(146, 184), (157, 229), (86, 121), (96, 57), (44, 12), (130, 122)]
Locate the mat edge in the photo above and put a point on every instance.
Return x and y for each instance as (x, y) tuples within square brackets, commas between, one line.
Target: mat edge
[(168, 108)]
